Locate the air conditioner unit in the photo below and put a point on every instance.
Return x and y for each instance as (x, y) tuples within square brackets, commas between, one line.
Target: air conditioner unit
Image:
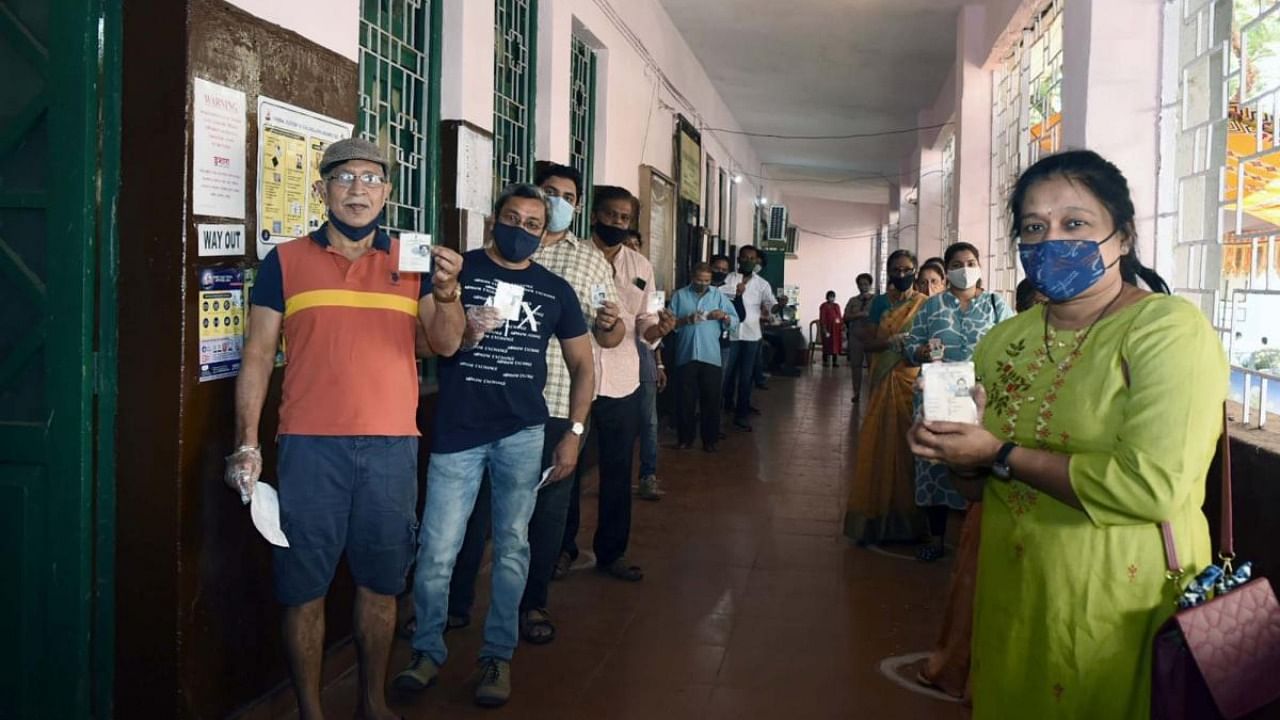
[(777, 223)]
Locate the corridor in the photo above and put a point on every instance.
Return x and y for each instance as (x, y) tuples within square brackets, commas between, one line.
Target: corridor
[(753, 605)]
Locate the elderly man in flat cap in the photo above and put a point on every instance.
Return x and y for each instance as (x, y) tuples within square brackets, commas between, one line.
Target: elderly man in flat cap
[(348, 440)]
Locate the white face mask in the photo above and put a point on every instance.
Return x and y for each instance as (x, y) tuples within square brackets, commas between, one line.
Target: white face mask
[(964, 277)]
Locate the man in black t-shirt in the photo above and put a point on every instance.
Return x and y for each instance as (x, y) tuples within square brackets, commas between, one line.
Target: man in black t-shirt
[(490, 417)]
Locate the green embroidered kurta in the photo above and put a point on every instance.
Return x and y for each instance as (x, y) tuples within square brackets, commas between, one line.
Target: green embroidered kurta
[(1068, 601)]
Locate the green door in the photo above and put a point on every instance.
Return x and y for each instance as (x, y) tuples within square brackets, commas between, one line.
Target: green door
[(51, 145)]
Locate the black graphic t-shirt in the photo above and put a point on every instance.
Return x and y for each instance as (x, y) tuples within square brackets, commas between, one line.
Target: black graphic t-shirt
[(495, 390)]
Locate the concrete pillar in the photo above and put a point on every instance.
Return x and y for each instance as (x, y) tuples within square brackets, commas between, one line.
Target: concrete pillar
[(973, 131), (466, 74), (929, 207), (1112, 70), (555, 61)]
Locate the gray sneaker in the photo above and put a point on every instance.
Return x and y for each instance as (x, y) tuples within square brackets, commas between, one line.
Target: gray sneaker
[(420, 675), (494, 688), (649, 488)]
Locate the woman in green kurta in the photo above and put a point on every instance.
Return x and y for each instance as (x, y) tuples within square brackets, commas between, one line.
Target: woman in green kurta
[(1101, 414)]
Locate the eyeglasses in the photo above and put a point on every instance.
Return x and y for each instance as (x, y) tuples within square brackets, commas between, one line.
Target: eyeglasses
[(533, 225), (347, 179), (901, 271)]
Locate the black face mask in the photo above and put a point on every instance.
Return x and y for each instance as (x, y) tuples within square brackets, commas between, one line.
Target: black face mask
[(904, 282), (352, 232), (717, 277), (610, 235)]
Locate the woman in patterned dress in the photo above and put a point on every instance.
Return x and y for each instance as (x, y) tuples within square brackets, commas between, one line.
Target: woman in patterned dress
[(956, 319), (1101, 411)]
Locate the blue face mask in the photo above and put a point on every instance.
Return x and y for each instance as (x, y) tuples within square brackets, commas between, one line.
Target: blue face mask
[(515, 243), (561, 215), (1063, 269)]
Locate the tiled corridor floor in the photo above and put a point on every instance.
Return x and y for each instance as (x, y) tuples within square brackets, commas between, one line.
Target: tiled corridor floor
[(753, 605)]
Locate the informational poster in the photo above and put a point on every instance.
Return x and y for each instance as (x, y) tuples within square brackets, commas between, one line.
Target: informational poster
[(291, 141), (474, 191), (658, 199), (221, 320), (690, 168), (217, 150), (220, 240)]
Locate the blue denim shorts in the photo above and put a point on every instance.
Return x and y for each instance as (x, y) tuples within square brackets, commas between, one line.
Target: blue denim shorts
[(343, 493)]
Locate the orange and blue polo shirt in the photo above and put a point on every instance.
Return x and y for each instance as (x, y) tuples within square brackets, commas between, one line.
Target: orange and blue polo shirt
[(349, 328)]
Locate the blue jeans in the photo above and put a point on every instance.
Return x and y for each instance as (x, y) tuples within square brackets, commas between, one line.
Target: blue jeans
[(739, 377), (648, 428), (453, 480)]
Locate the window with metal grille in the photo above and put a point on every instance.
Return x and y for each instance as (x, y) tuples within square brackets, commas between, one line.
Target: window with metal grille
[(395, 106), (1224, 221), (1026, 124), (582, 126), (514, 91)]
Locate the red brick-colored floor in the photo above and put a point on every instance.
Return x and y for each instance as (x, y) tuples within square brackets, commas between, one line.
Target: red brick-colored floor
[(753, 605)]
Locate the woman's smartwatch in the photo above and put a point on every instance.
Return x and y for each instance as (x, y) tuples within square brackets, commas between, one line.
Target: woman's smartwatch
[(1000, 468)]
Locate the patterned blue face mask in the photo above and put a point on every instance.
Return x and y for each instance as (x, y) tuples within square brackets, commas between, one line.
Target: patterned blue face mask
[(1063, 269)]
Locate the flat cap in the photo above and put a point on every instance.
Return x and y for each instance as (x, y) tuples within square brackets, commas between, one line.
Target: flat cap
[(355, 148)]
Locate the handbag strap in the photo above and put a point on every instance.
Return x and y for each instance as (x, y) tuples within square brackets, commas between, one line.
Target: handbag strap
[(1226, 532)]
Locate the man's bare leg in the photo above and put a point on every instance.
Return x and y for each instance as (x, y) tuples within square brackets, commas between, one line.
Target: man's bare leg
[(304, 646), (375, 620)]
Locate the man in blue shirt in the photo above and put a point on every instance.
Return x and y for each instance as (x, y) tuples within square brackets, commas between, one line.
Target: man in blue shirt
[(701, 317), (490, 416)]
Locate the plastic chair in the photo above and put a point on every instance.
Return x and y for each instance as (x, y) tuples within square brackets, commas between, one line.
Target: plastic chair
[(815, 340)]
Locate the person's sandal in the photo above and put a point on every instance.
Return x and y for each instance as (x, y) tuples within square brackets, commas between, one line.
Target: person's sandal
[(621, 570), (563, 565), (536, 627), (930, 553)]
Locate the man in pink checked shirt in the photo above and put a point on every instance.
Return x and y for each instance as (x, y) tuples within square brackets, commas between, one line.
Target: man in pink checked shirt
[(615, 415)]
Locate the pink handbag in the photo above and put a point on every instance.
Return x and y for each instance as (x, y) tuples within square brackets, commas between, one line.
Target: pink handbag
[(1220, 658)]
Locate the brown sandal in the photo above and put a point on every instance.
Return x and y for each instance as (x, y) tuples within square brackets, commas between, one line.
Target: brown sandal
[(621, 570), (536, 627)]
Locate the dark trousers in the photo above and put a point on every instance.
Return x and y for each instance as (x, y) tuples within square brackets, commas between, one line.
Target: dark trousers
[(698, 386), (741, 377), (617, 424), (546, 528)]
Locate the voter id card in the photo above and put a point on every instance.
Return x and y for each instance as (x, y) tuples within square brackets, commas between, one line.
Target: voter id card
[(948, 392), (415, 252), (507, 298), (599, 294), (657, 301)]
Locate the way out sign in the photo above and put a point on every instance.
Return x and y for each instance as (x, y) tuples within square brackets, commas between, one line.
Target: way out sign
[(218, 240)]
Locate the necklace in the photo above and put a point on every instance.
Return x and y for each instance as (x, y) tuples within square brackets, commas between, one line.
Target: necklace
[(1048, 332), (1042, 356)]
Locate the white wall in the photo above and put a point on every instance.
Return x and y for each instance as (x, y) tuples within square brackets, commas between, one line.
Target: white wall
[(334, 24), (636, 116), (824, 263)]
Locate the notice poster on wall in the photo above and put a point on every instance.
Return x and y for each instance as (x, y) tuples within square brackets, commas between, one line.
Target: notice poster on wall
[(291, 141), (220, 240), (221, 320), (217, 150), (690, 167)]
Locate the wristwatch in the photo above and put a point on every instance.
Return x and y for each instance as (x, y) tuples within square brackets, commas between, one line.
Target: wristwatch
[(1000, 468), (578, 429)]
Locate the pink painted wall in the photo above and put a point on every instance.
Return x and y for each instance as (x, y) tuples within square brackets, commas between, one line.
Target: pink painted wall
[(330, 23), (824, 263)]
